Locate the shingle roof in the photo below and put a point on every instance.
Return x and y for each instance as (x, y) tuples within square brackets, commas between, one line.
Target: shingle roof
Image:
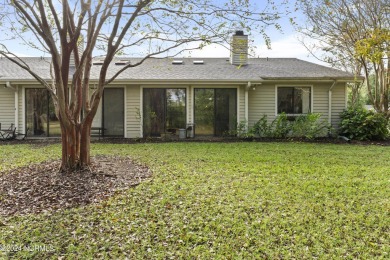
[(213, 69)]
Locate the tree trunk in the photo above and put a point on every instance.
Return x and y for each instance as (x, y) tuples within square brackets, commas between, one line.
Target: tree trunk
[(85, 141), (75, 146)]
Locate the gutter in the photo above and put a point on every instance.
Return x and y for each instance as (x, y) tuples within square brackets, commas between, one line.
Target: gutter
[(17, 108), (8, 85), (330, 101)]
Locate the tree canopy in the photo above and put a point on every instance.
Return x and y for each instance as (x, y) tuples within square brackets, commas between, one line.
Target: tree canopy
[(354, 34)]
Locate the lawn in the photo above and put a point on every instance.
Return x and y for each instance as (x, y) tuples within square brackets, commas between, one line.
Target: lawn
[(220, 200)]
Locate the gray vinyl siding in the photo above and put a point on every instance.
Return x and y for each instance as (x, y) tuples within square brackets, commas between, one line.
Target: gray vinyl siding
[(7, 107), (133, 103), (261, 102), (338, 103), (321, 100)]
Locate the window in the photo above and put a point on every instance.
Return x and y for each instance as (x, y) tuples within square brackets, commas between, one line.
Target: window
[(294, 100)]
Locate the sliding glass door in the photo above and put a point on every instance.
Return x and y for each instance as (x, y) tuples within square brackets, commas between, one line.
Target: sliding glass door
[(113, 112), (204, 111), (164, 111), (215, 111), (41, 119)]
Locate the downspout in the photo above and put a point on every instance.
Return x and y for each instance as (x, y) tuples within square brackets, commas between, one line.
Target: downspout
[(330, 102), (17, 108), (249, 84), (9, 85)]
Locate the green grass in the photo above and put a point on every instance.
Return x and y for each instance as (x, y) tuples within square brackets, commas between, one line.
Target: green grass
[(224, 201)]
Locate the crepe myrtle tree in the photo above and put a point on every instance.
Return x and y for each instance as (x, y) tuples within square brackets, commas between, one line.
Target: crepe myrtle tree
[(115, 27), (354, 35)]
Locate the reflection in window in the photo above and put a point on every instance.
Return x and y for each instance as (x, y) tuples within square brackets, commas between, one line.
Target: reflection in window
[(113, 112), (176, 104), (164, 110), (41, 119), (294, 100), (215, 111)]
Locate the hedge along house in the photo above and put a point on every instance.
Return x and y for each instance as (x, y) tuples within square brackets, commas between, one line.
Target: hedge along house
[(166, 94)]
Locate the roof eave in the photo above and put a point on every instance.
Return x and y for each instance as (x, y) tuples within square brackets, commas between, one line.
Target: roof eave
[(318, 79), (203, 81)]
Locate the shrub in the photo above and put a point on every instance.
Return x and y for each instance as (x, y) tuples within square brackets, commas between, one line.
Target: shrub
[(278, 128), (362, 124), (309, 126), (240, 131), (261, 128)]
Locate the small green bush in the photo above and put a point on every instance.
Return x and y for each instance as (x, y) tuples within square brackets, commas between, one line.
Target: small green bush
[(278, 128), (309, 126), (241, 131), (261, 127), (362, 124)]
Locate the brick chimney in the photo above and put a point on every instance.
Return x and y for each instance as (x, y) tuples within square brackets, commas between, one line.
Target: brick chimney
[(239, 49)]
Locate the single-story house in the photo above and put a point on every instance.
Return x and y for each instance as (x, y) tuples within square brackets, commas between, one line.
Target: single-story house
[(162, 95)]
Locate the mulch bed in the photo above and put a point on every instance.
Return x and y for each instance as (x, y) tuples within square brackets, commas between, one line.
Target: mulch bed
[(42, 188)]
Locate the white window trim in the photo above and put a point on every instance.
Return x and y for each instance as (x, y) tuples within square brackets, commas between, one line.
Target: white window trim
[(294, 86)]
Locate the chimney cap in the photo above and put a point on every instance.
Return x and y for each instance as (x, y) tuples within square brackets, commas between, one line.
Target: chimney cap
[(239, 33)]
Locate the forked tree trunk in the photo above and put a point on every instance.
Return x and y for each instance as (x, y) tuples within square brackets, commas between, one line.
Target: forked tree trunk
[(75, 146)]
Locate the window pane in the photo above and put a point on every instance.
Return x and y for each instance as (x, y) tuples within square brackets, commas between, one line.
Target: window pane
[(285, 100), (215, 111), (164, 110), (153, 112), (294, 100), (225, 111), (176, 108), (306, 100), (204, 111), (54, 123), (36, 112), (113, 112)]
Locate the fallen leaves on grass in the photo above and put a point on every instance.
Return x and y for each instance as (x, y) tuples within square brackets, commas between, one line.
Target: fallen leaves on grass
[(41, 187)]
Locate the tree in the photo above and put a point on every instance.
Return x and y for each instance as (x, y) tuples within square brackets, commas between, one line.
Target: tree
[(354, 34), (114, 27)]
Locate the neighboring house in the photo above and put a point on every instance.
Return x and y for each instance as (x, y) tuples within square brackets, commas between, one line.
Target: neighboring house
[(163, 95)]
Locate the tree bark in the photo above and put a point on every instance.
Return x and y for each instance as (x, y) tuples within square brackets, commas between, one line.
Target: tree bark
[(76, 146), (85, 141)]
